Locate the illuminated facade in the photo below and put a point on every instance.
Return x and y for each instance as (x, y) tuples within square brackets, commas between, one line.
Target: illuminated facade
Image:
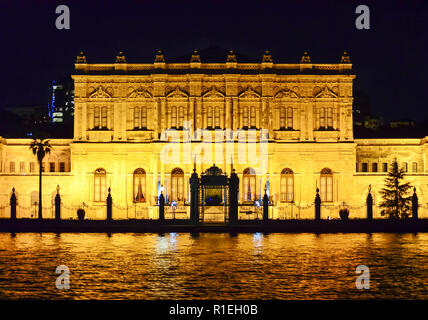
[(122, 111)]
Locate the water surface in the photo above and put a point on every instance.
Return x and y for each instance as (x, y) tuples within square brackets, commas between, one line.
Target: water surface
[(213, 266)]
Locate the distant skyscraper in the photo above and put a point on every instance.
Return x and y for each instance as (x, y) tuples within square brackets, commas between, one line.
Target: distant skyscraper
[(61, 101)]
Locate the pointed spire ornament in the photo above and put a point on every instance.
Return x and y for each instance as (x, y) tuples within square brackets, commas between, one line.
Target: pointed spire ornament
[(345, 58), (120, 58), (160, 57), (231, 56), (267, 57), (81, 58), (195, 56), (305, 58)]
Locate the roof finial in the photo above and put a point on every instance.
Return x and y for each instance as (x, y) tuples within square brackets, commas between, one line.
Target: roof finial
[(160, 57), (231, 57), (195, 56), (81, 58), (345, 58), (120, 58), (305, 58), (267, 57)]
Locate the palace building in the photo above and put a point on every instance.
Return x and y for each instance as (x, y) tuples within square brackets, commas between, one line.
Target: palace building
[(286, 129)]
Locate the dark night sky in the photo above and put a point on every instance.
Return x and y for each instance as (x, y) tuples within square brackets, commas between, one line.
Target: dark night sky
[(389, 60)]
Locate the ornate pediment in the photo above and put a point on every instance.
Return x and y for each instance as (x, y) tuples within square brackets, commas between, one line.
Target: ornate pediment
[(213, 93), (249, 93), (324, 93), (286, 93), (213, 171), (140, 93), (99, 93), (177, 93)]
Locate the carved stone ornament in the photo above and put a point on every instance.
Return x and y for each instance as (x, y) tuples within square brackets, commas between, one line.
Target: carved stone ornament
[(140, 93), (249, 93), (324, 93), (100, 92)]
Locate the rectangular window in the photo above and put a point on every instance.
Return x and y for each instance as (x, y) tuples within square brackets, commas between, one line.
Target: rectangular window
[(282, 118), (289, 118), (32, 167), (136, 118), (374, 167), (180, 117), (322, 117), (253, 117), (62, 167), (364, 167), (22, 167), (143, 118), (209, 117), (96, 117), (51, 166), (245, 118), (405, 167), (12, 167), (385, 167), (217, 117), (43, 167), (104, 117), (415, 167), (174, 117), (330, 117)]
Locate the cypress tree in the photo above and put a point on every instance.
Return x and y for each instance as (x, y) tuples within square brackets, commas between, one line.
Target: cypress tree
[(395, 202)]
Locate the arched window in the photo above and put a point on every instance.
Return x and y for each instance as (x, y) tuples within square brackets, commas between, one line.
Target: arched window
[(282, 118), (100, 183), (249, 185), (326, 188), (289, 118), (139, 185), (209, 117), (287, 185), (177, 185)]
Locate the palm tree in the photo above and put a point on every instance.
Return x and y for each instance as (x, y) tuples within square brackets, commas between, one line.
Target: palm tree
[(40, 148)]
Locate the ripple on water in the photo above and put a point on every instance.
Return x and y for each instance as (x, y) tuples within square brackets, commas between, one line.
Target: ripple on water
[(213, 266)]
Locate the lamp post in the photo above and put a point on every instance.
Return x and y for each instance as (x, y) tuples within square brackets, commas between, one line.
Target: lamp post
[(257, 206), (173, 207)]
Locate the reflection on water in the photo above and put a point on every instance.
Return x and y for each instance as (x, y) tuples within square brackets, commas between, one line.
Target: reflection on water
[(213, 266)]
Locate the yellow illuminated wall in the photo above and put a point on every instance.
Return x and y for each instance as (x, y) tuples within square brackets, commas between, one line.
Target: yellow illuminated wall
[(122, 110)]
